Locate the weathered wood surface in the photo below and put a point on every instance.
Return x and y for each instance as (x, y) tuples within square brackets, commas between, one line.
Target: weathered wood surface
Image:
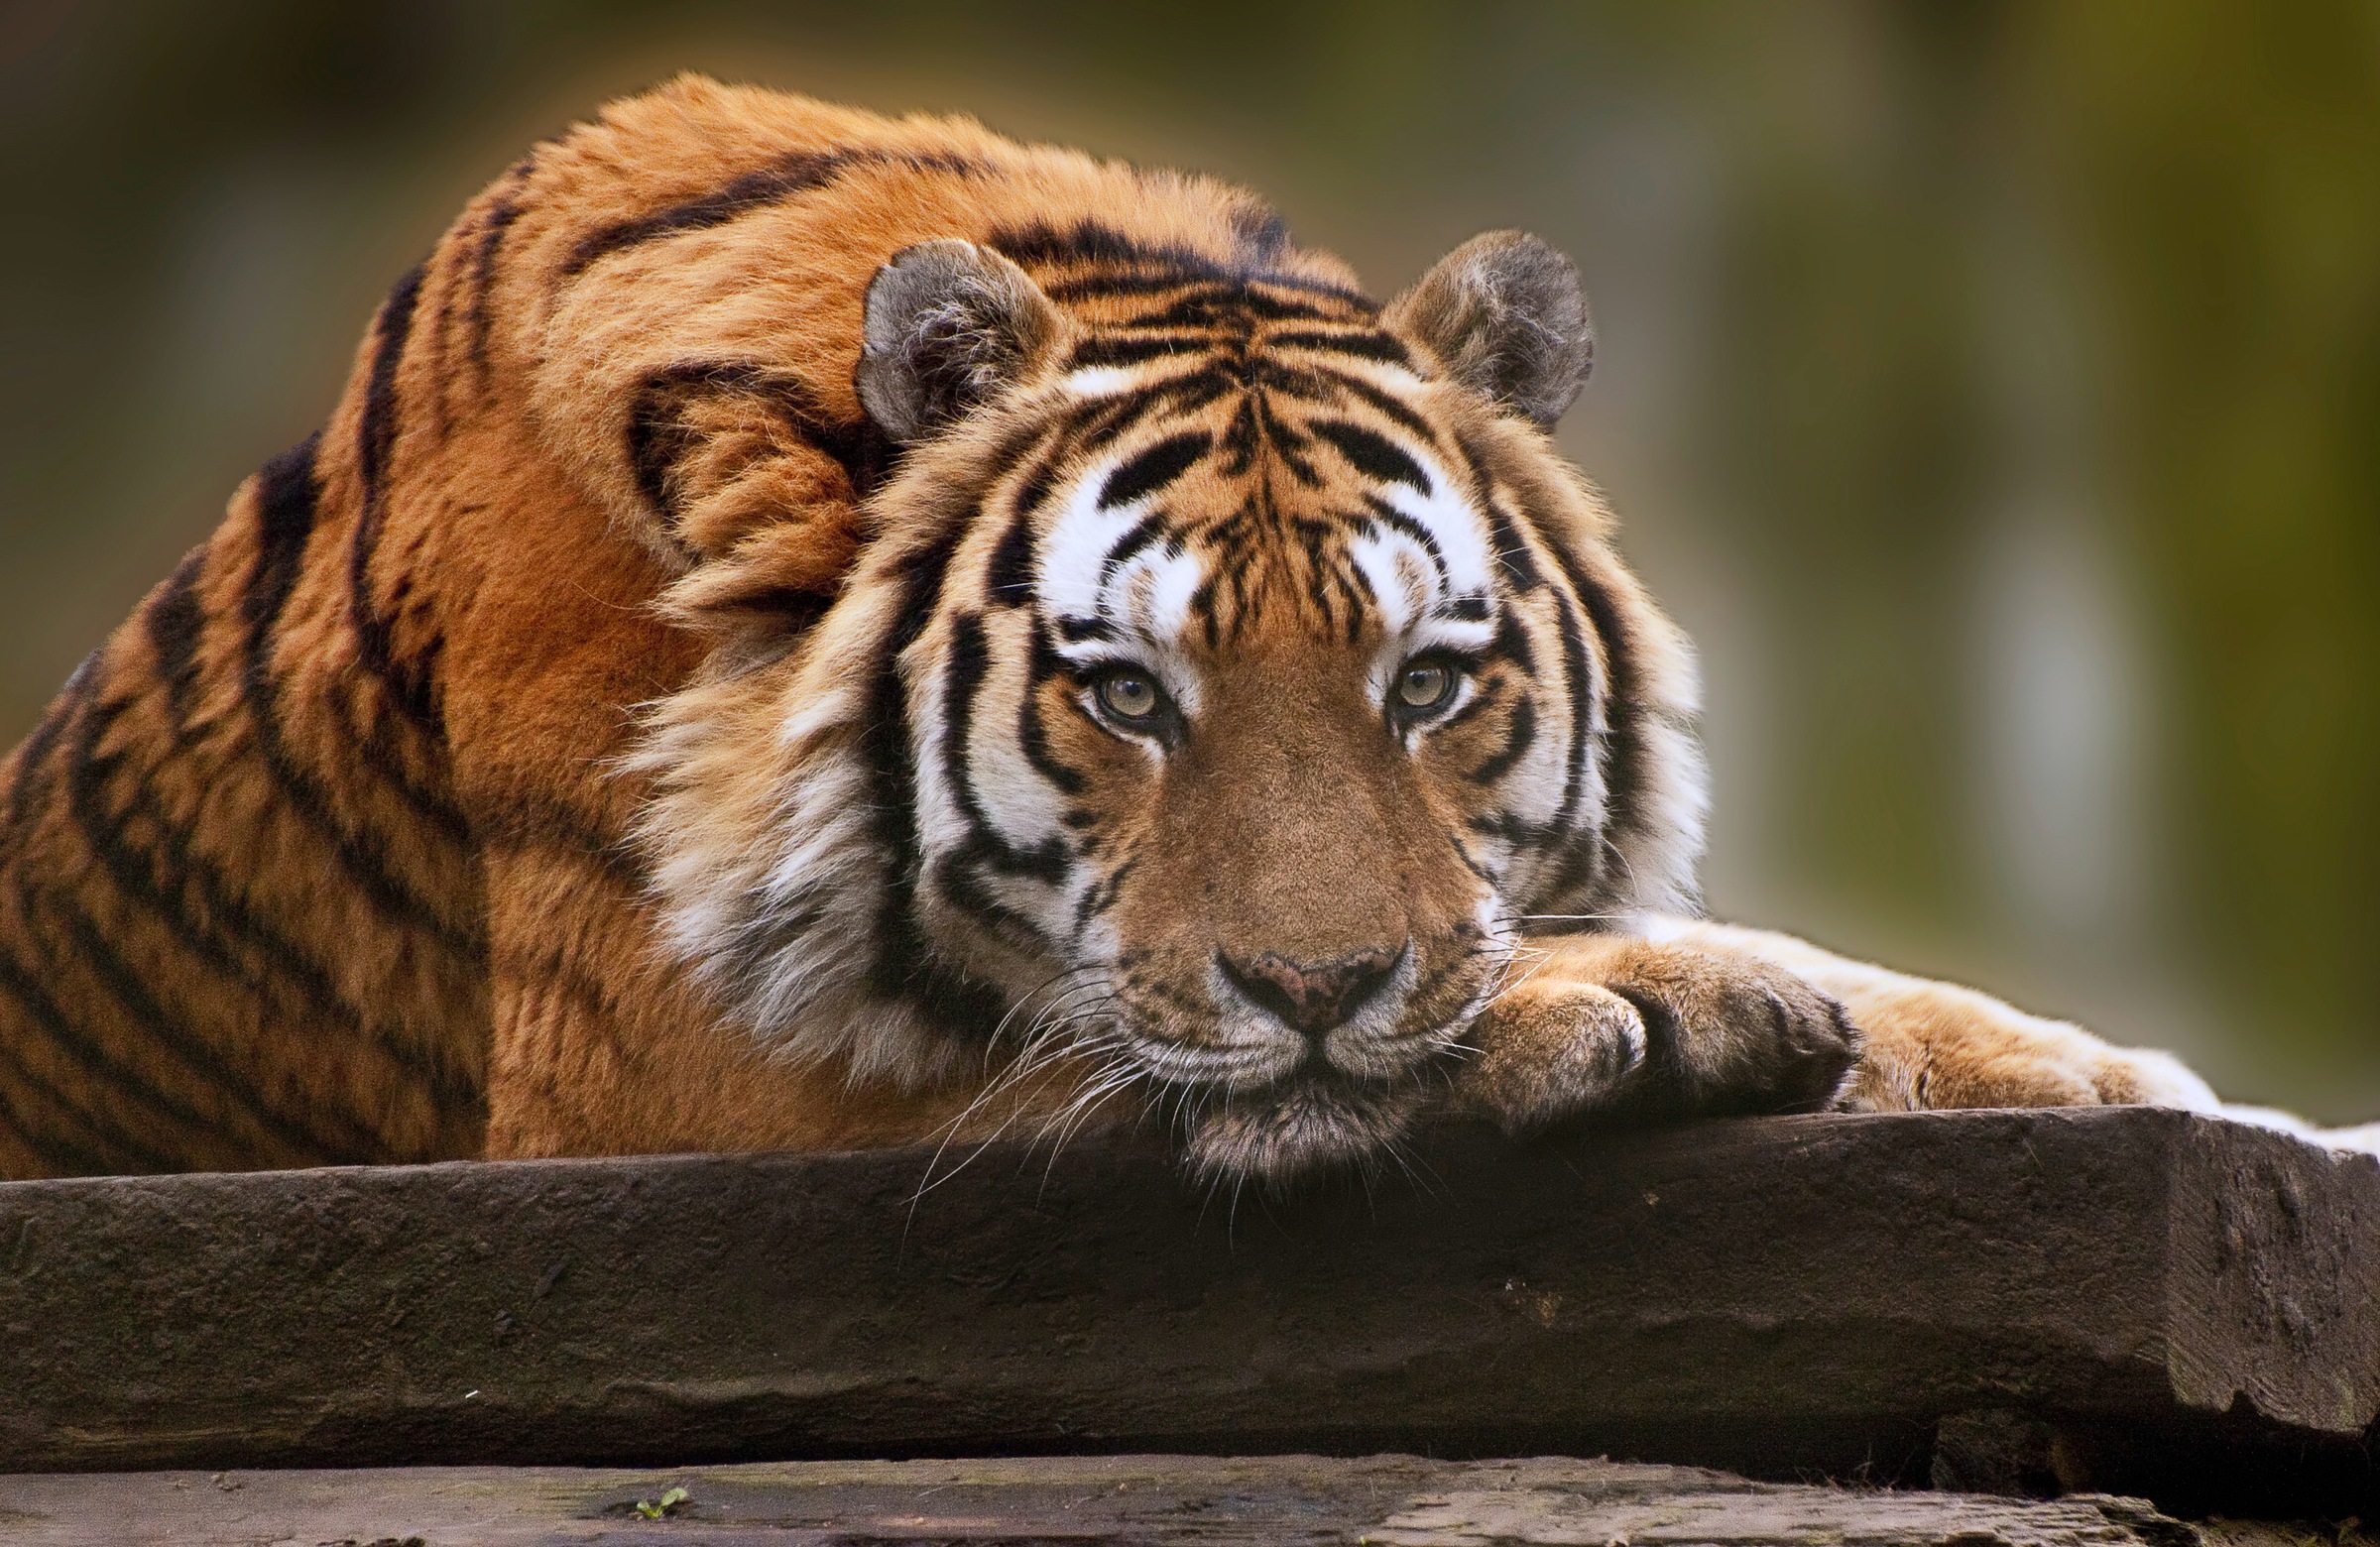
[(1086, 1501), (2128, 1300)]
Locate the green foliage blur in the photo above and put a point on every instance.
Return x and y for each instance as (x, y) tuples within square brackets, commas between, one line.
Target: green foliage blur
[(1993, 389)]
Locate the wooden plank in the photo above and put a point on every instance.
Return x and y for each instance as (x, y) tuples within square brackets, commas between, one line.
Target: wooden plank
[(2129, 1299), (1086, 1501)]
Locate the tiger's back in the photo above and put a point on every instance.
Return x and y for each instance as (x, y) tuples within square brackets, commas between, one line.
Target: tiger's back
[(338, 823)]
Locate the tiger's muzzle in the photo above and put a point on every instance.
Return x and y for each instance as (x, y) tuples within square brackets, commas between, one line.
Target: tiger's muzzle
[(1303, 1065)]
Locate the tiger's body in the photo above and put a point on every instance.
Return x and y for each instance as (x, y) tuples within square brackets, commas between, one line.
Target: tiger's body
[(685, 699)]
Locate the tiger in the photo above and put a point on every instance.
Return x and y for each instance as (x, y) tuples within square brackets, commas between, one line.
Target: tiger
[(809, 630)]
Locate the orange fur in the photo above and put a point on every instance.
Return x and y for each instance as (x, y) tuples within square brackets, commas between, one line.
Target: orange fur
[(386, 829)]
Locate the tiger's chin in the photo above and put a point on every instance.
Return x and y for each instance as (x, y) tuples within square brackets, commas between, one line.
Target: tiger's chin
[(1308, 1124)]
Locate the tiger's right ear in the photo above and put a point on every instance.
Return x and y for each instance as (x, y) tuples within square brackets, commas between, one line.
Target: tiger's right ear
[(1504, 314), (948, 324)]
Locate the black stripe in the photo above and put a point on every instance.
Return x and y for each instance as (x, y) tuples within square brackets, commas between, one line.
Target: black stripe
[(1288, 442), (1374, 455), (411, 686), (134, 878), (550, 966), (796, 172), (1134, 348), (174, 619), (530, 819), (1235, 306), (375, 443), (200, 1063), (794, 609), (36, 778), (1368, 344), (1031, 734), (501, 215), (903, 966), (376, 431), (1150, 470), (1091, 286), (1626, 776), (1512, 641), (1578, 666), (1352, 586), (70, 1040), (32, 779), (958, 878), (1462, 853), (1517, 740), (285, 495), (1311, 381), (284, 519), (1486, 699), (1009, 578), (658, 439), (1148, 529), (969, 663), (1203, 606), (1514, 831), (61, 1154), (1091, 242), (1513, 553), (97, 955), (1101, 896), (1033, 492), (1101, 421), (190, 894), (1389, 516)]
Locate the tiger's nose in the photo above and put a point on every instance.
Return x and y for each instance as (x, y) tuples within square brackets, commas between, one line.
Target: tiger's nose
[(1313, 997)]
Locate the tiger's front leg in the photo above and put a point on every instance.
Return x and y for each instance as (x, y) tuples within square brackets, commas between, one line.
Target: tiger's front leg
[(1931, 1044), (1590, 1024)]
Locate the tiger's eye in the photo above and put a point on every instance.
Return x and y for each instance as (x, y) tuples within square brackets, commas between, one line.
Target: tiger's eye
[(1128, 695), (1425, 686)]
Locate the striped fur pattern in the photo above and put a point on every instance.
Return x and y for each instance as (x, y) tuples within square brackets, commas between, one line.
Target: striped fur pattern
[(808, 631)]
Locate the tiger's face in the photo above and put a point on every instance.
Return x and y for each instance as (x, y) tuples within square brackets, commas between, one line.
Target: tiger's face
[(1228, 683)]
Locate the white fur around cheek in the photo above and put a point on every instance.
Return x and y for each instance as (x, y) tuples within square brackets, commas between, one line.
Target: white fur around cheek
[(1532, 792), (770, 879)]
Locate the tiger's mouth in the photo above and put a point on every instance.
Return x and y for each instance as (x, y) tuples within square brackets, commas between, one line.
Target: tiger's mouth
[(1253, 1100), (1316, 1120)]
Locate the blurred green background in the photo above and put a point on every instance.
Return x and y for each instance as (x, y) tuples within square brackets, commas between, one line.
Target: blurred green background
[(1992, 389)]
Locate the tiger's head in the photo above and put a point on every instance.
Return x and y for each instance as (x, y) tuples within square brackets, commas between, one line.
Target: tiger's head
[(1231, 674)]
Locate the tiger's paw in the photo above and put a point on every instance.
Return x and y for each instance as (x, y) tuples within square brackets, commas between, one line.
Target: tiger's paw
[(1666, 1028), (1545, 1053), (1939, 1047)]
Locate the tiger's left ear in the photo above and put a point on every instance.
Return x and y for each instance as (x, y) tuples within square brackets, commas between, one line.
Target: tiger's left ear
[(1504, 314), (948, 324)]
